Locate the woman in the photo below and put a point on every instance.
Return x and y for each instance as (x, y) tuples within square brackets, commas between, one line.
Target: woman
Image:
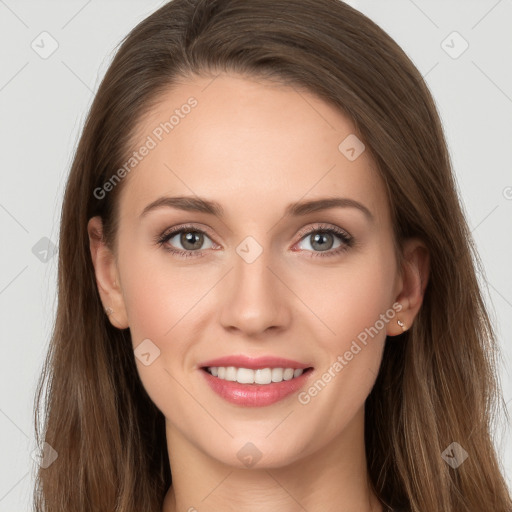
[(267, 287)]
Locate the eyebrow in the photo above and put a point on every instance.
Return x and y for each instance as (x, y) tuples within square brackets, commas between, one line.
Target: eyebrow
[(300, 208)]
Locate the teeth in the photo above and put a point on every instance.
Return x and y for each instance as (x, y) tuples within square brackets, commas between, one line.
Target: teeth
[(260, 376)]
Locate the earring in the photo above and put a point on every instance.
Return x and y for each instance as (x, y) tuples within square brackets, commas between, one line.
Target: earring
[(108, 311), (402, 325)]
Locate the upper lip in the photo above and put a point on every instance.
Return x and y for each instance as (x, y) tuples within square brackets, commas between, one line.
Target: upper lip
[(254, 363)]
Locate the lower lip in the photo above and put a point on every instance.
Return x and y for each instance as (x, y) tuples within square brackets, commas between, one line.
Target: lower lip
[(255, 395)]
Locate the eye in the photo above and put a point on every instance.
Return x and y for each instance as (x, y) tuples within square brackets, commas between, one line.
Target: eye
[(322, 238), (190, 238)]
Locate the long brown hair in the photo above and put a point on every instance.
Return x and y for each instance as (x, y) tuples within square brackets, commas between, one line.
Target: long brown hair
[(437, 385)]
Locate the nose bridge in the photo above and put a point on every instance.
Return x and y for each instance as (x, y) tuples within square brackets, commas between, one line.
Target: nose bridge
[(254, 299)]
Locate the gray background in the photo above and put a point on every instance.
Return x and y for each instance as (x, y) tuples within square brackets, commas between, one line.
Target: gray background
[(43, 102)]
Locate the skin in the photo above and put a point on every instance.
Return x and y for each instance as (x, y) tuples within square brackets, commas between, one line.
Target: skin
[(255, 147)]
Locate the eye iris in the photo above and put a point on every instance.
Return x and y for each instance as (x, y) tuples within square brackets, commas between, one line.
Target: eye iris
[(317, 239), (188, 237)]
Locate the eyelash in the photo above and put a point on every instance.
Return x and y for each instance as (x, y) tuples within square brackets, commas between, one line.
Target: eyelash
[(346, 239)]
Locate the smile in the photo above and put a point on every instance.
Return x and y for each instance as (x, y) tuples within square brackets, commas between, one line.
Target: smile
[(255, 388), (250, 376)]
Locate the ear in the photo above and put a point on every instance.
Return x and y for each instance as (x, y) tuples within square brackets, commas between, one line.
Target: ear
[(107, 276), (411, 284)]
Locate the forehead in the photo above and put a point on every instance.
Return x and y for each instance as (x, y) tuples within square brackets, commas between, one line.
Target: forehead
[(250, 145)]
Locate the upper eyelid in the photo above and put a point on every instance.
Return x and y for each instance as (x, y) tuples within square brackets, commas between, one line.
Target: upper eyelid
[(324, 226), (171, 232)]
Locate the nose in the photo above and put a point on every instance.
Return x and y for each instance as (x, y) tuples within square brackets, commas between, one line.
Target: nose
[(255, 297)]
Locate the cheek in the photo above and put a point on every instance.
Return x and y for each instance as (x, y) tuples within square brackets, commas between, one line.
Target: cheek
[(158, 293), (159, 299), (354, 305), (149, 308), (350, 298)]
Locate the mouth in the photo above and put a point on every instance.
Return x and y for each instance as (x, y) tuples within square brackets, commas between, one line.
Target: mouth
[(260, 376), (259, 387)]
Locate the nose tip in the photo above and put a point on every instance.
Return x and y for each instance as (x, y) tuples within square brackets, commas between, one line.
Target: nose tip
[(252, 301)]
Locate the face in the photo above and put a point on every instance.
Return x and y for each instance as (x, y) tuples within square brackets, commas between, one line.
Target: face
[(315, 286)]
